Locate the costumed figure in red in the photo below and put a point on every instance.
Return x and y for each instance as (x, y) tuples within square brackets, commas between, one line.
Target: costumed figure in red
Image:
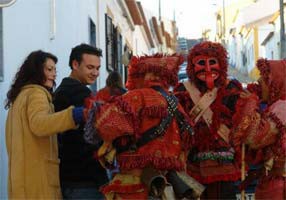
[(209, 98), (143, 129), (263, 130)]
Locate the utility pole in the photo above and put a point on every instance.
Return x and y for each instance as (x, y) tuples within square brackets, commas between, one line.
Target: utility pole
[(160, 45), (282, 31), (160, 10), (223, 31)]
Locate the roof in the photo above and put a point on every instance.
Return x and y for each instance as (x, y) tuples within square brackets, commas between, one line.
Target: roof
[(157, 31), (163, 27), (134, 11), (126, 13), (168, 40), (145, 25), (257, 13), (268, 37)]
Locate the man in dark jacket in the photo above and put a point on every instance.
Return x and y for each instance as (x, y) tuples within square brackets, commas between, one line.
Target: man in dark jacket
[(80, 173)]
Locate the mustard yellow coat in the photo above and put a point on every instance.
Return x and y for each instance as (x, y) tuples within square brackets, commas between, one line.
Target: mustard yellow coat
[(31, 141)]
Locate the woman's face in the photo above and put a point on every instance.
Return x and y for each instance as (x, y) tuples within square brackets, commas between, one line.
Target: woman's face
[(50, 73)]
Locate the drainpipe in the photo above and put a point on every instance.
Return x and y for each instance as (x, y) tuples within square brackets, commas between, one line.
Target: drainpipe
[(282, 31), (98, 35), (224, 28), (52, 19)]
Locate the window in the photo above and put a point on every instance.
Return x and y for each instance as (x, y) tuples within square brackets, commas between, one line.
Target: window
[(92, 33), (109, 43), (113, 46), (119, 53)]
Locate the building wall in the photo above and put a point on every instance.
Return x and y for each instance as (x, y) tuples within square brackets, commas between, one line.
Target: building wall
[(120, 20), (249, 52), (232, 50), (239, 55), (249, 45), (99, 14), (238, 52), (139, 42), (272, 48)]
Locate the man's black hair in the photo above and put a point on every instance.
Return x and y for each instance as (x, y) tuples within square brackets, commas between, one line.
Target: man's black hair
[(78, 51)]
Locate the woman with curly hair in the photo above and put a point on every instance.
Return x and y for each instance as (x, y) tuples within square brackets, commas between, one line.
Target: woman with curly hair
[(31, 129)]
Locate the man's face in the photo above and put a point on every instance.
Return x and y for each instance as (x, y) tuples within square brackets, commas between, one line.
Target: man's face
[(207, 69), (88, 69)]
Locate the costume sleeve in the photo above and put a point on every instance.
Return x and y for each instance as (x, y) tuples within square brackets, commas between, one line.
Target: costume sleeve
[(120, 116), (262, 133), (251, 127), (42, 120), (183, 96)]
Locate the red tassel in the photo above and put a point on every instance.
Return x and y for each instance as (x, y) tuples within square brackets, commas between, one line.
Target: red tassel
[(133, 162), (117, 187), (211, 179)]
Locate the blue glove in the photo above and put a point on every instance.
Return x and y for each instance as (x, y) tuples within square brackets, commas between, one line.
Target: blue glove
[(77, 114), (262, 107)]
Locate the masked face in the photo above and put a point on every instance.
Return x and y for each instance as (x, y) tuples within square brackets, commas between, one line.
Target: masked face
[(207, 69)]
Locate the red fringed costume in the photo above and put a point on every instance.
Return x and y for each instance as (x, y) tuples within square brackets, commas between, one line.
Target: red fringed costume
[(265, 131), (125, 118), (212, 158)]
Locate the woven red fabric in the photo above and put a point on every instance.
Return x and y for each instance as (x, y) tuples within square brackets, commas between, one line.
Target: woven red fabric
[(165, 67)]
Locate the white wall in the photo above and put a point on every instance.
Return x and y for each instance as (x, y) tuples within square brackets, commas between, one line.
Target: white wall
[(239, 50), (232, 50), (120, 21), (249, 49), (26, 27), (272, 47), (100, 34), (139, 42)]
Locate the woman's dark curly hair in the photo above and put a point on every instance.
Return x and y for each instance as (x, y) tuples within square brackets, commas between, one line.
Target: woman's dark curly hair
[(30, 72)]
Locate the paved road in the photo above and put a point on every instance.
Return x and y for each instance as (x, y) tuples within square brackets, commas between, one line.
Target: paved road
[(243, 78)]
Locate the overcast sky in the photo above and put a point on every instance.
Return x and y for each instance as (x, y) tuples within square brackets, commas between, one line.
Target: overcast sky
[(192, 16)]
